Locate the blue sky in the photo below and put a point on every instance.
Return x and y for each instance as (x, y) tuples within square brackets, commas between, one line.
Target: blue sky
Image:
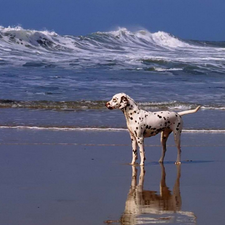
[(187, 19)]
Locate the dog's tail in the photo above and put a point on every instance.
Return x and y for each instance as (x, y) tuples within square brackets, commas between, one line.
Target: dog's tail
[(189, 111)]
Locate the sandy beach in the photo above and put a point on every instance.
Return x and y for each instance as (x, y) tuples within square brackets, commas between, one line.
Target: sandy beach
[(84, 177)]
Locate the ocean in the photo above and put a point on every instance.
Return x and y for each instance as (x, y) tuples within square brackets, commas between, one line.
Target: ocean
[(53, 81)]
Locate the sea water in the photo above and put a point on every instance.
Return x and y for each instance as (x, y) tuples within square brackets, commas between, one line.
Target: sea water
[(62, 81)]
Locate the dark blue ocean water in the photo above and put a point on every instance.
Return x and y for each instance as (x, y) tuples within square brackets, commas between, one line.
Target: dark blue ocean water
[(64, 81)]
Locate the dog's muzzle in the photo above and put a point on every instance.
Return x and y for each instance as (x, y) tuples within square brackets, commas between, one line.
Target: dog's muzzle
[(107, 104)]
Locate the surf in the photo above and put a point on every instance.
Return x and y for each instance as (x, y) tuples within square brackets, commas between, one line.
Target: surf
[(98, 129), (118, 49)]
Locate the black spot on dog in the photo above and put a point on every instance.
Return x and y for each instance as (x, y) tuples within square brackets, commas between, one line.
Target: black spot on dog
[(131, 118), (130, 113), (164, 118), (177, 128), (135, 133), (135, 121), (158, 130), (134, 111), (136, 128), (159, 116)]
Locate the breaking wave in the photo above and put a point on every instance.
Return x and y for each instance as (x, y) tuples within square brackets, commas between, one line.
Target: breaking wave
[(119, 49)]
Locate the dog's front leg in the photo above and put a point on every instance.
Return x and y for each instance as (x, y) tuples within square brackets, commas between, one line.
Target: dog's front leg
[(134, 149), (140, 141)]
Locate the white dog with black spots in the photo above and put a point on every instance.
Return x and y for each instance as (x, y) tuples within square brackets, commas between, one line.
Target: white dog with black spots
[(142, 124)]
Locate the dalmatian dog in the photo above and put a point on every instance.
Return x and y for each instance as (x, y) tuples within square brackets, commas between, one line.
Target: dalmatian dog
[(142, 124)]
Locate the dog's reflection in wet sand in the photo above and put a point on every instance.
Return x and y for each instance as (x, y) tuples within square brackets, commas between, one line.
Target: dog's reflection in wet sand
[(149, 207)]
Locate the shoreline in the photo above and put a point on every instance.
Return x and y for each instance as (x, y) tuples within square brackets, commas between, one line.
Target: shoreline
[(100, 129)]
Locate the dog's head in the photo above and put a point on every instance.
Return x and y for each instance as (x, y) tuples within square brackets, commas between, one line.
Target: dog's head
[(118, 101)]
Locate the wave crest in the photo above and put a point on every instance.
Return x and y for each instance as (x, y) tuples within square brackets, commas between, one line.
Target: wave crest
[(126, 49), (144, 37), (32, 38)]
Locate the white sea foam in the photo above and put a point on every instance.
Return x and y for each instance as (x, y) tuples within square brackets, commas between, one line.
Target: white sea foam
[(96, 129), (123, 47), (165, 69)]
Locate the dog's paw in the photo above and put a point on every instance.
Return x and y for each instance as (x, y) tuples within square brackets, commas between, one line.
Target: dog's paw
[(133, 164)]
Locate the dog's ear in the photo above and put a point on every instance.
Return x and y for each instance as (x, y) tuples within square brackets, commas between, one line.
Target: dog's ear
[(123, 102), (124, 99)]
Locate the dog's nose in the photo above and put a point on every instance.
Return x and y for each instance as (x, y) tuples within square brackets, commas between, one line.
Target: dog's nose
[(107, 104)]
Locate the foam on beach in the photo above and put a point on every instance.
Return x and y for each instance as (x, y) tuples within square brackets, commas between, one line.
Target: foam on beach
[(97, 129)]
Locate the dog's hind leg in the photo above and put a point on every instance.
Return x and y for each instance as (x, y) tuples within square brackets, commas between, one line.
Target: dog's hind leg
[(164, 136), (177, 134)]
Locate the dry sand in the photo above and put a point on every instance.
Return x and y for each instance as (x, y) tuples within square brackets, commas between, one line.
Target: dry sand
[(83, 177)]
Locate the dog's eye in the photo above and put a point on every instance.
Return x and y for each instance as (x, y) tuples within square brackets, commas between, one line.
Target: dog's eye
[(114, 100)]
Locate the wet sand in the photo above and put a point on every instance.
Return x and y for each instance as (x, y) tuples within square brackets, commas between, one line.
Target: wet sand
[(84, 177)]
